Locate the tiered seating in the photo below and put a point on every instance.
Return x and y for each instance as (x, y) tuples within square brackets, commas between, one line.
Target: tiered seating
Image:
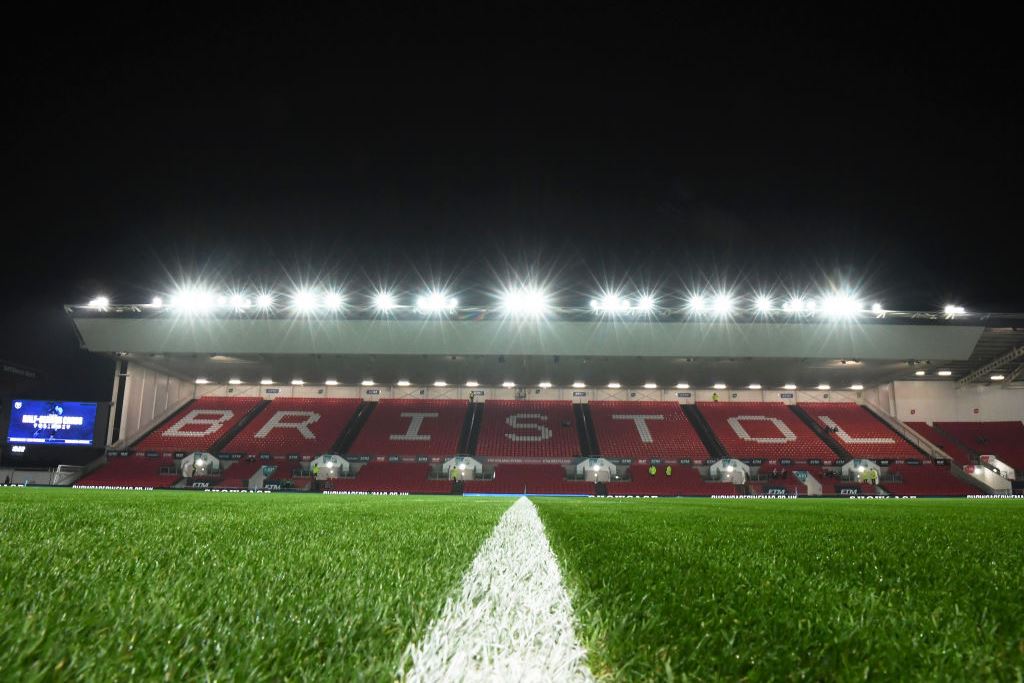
[(1005, 440), (948, 445), (134, 470), (412, 427), (926, 480), (527, 429), (306, 426), (539, 479), (238, 473), (644, 429), (763, 430), (685, 481), (198, 426), (387, 477), (862, 434)]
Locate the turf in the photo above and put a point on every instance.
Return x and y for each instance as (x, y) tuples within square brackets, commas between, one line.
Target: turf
[(118, 585), (798, 590)]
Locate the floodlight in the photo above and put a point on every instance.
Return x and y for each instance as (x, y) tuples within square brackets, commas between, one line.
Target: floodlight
[(840, 306), (697, 304), (544, 385), (435, 302), (945, 373), (794, 305), (403, 383), (384, 302), (997, 378), (331, 382), (234, 381), (265, 301), (823, 387), (266, 381), (755, 387), (646, 303), (462, 466), (157, 302), (789, 387), (650, 385), (811, 305), (729, 468), (596, 468), (304, 301), (722, 304), (876, 308), (100, 303), (857, 387), (508, 385), (610, 303), (239, 302), (202, 380), (440, 383), (472, 383), (525, 302), (920, 373), (297, 382), (192, 300), (367, 383), (763, 304), (682, 385), (953, 310), (614, 385), (333, 301), (579, 385), (718, 386)]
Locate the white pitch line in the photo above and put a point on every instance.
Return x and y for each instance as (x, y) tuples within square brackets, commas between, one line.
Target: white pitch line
[(513, 620)]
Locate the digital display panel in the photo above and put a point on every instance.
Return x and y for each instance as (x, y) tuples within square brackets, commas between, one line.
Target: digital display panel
[(53, 423)]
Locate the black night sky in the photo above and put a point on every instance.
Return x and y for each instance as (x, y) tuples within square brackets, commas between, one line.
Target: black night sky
[(592, 145)]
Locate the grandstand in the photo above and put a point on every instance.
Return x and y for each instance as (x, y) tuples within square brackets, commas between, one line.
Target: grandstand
[(397, 400)]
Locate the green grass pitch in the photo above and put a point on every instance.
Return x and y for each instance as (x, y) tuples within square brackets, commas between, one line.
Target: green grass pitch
[(117, 585)]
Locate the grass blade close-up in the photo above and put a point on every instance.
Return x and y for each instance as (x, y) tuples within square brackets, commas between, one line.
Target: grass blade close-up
[(702, 590), (117, 585)]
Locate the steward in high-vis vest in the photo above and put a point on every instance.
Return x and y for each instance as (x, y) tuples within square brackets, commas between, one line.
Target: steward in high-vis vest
[(668, 470), (652, 470)]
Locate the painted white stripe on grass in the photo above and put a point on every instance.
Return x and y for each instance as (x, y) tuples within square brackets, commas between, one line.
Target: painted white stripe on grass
[(513, 620)]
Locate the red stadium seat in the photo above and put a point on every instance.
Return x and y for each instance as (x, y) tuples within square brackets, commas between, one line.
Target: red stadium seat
[(412, 427), (539, 479), (1005, 440), (926, 480), (391, 477), (862, 434), (133, 470), (237, 474), (528, 429), (769, 431), (632, 429), (940, 440), (199, 426), (685, 481), (303, 426)]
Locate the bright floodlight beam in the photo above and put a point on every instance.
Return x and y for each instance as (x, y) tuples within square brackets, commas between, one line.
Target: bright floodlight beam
[(763, 304), (646, 303), (238, 302), (333, 301), (610, 304), (525, 302), (384, 302), (435, 302), (697, 304), (304, 301), (722, 304), (100, 303), (264, 301)]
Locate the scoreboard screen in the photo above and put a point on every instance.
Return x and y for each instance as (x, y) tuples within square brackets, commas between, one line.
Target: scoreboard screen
[(53, 423)]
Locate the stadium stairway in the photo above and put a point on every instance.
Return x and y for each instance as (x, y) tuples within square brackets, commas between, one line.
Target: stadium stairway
[(585, 427), (223, 441), (468, 426), (704, 431), (950, 446), (348, 436), (836, 447), (477, 416)]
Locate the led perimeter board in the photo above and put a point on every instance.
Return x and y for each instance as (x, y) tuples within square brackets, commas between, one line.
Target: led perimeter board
[(52, 423)]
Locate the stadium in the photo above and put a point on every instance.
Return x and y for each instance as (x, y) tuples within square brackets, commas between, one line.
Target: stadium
[(528, 440)]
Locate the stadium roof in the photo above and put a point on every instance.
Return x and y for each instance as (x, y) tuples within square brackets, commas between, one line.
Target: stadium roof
[(569, 348)]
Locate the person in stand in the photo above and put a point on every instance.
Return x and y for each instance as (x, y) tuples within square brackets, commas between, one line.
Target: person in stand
[(668, 470), (714, 397), (652, 470)]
